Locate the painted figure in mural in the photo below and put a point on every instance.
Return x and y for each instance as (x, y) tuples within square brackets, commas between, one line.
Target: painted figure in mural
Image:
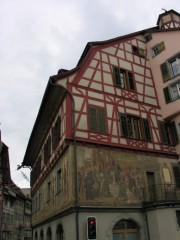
[(116, 169), (104, 186), (89, 182)]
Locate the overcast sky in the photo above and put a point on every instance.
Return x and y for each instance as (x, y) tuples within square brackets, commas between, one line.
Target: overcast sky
[(38, 37)]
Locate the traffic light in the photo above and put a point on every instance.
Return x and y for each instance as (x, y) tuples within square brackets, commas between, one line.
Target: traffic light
[(91, 228)]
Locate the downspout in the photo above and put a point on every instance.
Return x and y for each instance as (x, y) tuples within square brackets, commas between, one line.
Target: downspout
[(75, 155), (147, 224)]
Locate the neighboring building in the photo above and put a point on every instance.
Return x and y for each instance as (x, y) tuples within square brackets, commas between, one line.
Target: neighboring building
[(164, 56), (98, 145), (15, 211)]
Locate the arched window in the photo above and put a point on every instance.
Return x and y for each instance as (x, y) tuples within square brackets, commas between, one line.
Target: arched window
[(41, 235), (59, 232), (36, 236), (125, 230), (49, 234)]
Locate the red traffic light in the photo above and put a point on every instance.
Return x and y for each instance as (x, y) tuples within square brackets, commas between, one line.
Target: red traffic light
[(92, 222), (91, 228)]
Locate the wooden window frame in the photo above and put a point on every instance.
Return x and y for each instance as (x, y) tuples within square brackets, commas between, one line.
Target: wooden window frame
[(168, 133), (97, 120), (134, 127), (169, 93), (140, 52), (157, 49), (168, 71), (124, 79)]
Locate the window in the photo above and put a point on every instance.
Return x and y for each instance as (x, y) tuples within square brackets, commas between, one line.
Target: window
[(158, 48), (47, 150), (48, 191), (168, 133), (148, 37), (97, 119), (176, 172), (125, 230), (172, 92), (124, 79), (56, 133), (134, 127), (139, 51), (58, 180), (171, 68)]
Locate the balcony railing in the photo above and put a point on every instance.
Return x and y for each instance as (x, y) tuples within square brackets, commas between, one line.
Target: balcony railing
[(161, 193)]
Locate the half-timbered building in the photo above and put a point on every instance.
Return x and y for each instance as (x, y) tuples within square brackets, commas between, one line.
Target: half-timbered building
[(98, 145)]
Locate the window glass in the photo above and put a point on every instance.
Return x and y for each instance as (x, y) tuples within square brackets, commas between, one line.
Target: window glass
[(125, 230), (124, 79), (170, 68), (134, 127)]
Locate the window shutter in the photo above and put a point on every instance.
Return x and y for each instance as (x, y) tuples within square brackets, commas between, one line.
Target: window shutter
[(176, 176), (167, 95), (117, 78), (147, 133), (165, 71), (173, 134), (101, 120), (163, 133), (131, 81), (93, 118), (123, 124), (161, 46), (141, 52)]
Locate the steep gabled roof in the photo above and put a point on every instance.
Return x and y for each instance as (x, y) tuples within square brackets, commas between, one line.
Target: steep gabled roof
[(53, 96)]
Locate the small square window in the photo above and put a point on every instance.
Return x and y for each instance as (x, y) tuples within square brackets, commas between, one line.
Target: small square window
[(158, 48)]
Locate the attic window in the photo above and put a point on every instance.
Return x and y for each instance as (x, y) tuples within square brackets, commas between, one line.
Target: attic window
[(157, 49), (148, 37), (138, 51)]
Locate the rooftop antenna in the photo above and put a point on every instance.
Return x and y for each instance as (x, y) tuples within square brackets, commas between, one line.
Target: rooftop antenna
[(164, 9)]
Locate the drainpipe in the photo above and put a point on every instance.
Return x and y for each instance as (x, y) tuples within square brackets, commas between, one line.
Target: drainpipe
[(51, 81), (147, 224)]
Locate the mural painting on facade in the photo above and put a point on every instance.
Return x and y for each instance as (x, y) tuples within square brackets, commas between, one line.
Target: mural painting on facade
[(107, 175)]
